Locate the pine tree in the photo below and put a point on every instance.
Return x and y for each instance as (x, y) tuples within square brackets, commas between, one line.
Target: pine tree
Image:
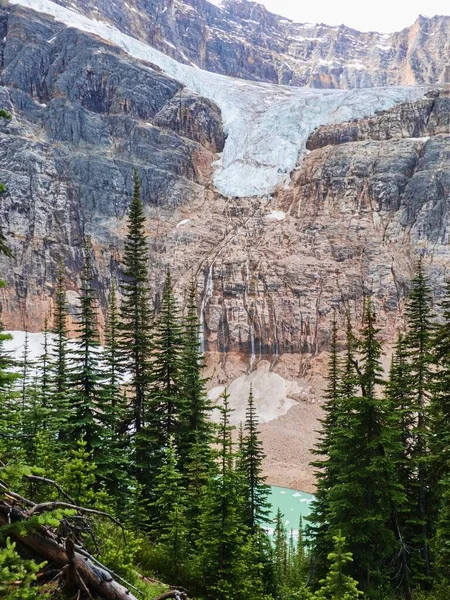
[(364, 485), (325, 479), (338, 585), (197, 430), (86, 382), (222, 540), (135, 325), (59, 397), (165, 399), (256, 490), (169, 523), (418, 347)]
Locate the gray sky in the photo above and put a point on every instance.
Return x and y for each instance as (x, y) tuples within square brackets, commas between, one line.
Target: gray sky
[(380, 15)]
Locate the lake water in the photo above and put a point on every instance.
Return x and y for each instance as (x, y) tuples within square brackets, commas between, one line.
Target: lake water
[(292, 503)]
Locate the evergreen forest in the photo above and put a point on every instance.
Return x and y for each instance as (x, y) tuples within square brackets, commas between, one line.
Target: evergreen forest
[(116, 483)]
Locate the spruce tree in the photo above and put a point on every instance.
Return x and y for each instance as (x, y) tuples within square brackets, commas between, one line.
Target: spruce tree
[(256, 490), (165, 398), (418, 346), (86, 382), (59, 397), (197, 430), (223, 535), (364, 486), (135, 325), (338, 585)]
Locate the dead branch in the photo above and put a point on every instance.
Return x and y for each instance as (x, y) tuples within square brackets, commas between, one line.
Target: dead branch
[(15, 496), (87, 575), (44, 506), (53, 483)]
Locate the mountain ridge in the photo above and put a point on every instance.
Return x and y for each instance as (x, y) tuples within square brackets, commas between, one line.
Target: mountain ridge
[(243, 39)]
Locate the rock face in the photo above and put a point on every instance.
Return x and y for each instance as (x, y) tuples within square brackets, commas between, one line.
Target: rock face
[(84, 117), (242, 39)]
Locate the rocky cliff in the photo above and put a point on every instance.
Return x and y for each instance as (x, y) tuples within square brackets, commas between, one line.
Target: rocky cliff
[(367, 197), (242, 39)]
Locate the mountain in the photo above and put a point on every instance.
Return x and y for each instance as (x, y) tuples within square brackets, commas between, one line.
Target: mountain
[(283, 202), (242, 39)]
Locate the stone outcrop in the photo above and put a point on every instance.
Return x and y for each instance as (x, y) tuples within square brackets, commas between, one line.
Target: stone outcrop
[(242, 39), (84, 117)]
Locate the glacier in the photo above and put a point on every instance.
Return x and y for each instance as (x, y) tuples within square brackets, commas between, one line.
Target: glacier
[(267, 125)]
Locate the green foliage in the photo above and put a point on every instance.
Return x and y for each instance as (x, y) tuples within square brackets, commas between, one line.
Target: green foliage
[(165, 399), (256, 490), (79, 475), (59, 403), (135, 324), (337, 585), (17, 576)]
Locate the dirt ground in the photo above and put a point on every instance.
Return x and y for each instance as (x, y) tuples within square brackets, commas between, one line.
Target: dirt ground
[(287, 443)]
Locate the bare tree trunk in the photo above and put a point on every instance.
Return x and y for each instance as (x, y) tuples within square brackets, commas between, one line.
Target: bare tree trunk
[(78, 569)]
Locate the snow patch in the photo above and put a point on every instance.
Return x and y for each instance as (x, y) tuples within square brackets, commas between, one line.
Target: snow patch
[(35, 344), (276, 215), (273, 394), (183, 222), (267, 125)]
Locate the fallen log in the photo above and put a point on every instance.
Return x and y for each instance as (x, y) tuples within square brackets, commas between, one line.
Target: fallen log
[(79, 568)]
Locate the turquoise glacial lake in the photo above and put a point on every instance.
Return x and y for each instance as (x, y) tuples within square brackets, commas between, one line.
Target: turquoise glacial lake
[(293, 505)]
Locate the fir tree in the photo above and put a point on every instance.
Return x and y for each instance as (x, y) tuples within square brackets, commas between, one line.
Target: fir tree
[(59, 401), (10, 418), (224, 572), (256, 490), (44, 368), (197, 430), (169, 524), (10, 413), (113, 405), (364, 486), (280, 550), (418, 347), (325, 478), (338, 585), (86, 375), (135, 325), (165, 399), (398, 395), (440, 400)]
